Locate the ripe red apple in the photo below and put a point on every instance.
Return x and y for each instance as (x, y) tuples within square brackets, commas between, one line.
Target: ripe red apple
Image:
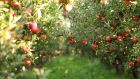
[(131, 63), (35, 30), (84, 42), (119, 38), (71, 41), (108, 39), (33, 27), (136, 18), (125, 34), (27, 62), (94, 46), (134, 40), (15, 4), (138, 60)]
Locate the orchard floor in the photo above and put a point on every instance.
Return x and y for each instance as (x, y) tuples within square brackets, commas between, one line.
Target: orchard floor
[(75, 67)]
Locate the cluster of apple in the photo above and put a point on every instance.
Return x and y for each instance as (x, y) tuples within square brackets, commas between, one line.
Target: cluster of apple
[(120, 38), (132, 63), (124, 34), (32, 26), (107, 39), (84, 42)]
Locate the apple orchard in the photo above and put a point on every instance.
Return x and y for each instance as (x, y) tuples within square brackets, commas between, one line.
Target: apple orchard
[(33, 32)]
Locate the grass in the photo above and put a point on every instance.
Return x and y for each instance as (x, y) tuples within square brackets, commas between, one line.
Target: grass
[(75, 67)]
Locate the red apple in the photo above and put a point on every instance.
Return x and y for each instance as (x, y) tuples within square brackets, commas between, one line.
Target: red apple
[(27, 62), (131, 63), (108, 39), (33, 27), (138, 60), (94, 46), (84, 42), (125, 34), (134, 40), (35, 30), (15, 4), (136, 18), (71, 41), (119, 38)]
